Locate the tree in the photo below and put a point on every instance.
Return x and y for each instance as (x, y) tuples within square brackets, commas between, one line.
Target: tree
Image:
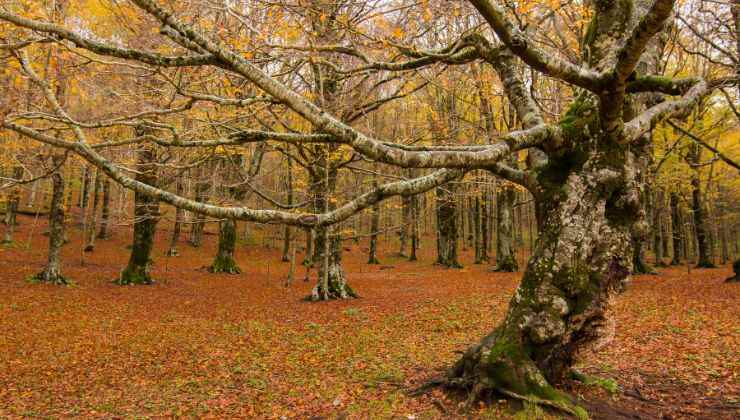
[(581, 170), (146, 216), (52, 273)]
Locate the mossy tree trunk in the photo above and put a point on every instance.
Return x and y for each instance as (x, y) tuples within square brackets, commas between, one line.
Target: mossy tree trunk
[(52, 273), (146, 216), (447, 226), (224, 261), (505, 251), (582, 257)]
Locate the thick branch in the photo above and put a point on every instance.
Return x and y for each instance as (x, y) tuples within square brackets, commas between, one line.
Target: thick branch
[(520, 44)]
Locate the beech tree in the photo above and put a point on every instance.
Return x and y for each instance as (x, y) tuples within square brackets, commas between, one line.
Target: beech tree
[(584, 168)]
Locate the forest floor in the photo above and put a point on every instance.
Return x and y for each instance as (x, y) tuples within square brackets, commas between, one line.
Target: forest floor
[(203, 345)]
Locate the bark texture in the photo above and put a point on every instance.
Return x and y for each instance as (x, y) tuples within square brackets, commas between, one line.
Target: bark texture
[(52, 273), (146, 216)]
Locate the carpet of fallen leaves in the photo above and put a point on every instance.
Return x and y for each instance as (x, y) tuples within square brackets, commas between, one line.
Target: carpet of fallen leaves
[(203, 345)]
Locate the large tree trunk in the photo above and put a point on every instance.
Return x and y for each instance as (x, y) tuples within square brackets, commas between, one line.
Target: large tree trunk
[(505, 252), (52, 273), (146, 216), (224, 261), (447, 227), (582, 257)]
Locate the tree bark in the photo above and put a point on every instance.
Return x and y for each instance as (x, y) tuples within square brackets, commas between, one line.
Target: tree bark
[(702, 234), (146, 216), (201, 196), (11, 207), (177, 228), (105, 211), (224, 261), (52, 273), (289, 200), (505, 251), (582, 258), (447, 227), (676, 229), (92, 225), (374, 228)]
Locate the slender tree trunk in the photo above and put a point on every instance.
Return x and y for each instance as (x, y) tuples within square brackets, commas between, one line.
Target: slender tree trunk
[(105, 212), (415, 210), (92, 225), (374, 228), (403, 232), (146, 216), (52, 273), (11, 207), (289, 197), (658, 229), (84, 196), (505, 252), (177, 228), (196, 230), (676, 229)]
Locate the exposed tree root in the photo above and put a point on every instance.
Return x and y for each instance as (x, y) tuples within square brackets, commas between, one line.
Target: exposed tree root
[(50, 277), (224, 264)]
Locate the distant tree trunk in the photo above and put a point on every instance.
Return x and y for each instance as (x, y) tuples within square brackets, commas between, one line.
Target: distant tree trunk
[(374, 228), (702, 236), (736, 270), (105, 212), (289, 198), (505, 252), (91, 234), (658, 228), (146, 216), (196, 230), (84, 196), (403, 232), (414, 213), (224, 261), (485, 227), (11, 207), (177, 228), (52, 273), (447, 227), (676, 229)]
